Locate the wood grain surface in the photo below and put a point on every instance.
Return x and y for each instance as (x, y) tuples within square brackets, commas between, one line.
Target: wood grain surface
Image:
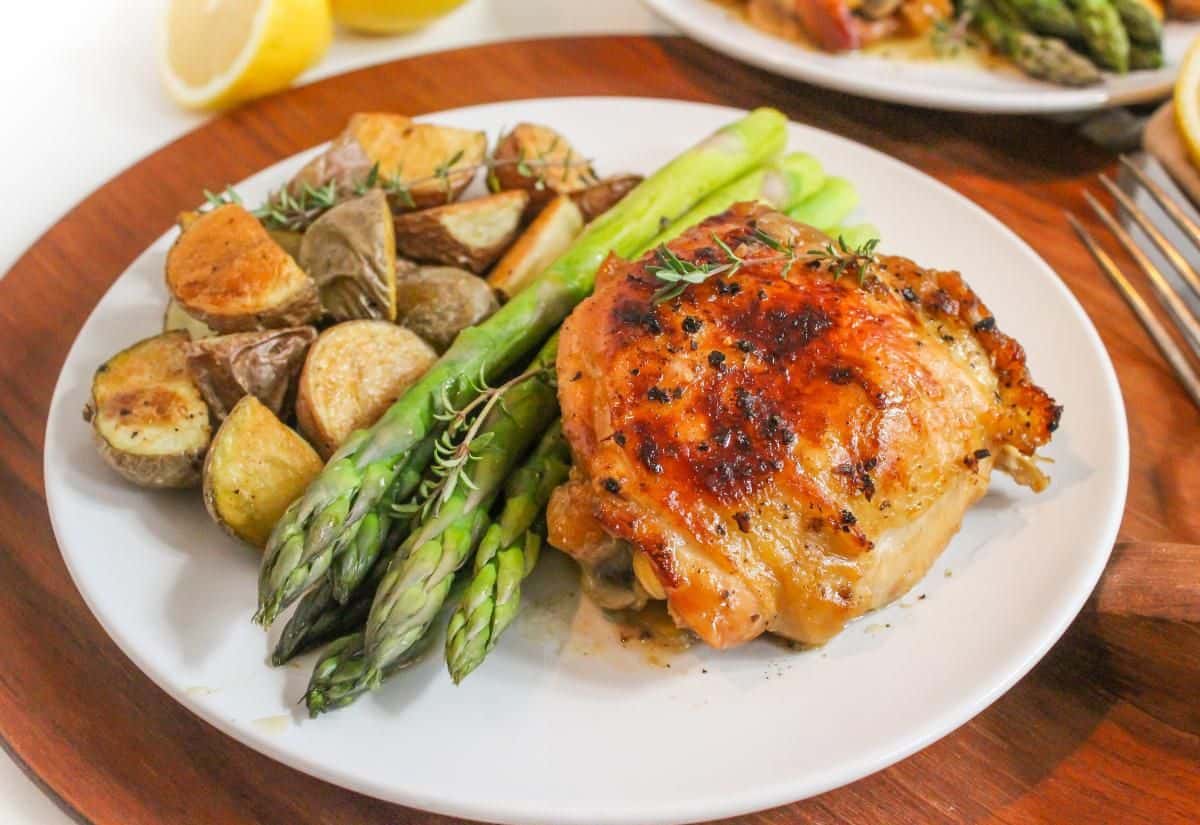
[(1106, 729)]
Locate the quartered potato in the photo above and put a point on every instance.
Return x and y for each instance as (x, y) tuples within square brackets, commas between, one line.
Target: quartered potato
[(438, 161), (148, 418), (289, 241), (604, 194), (350, 252), (352, 375), (470, 234), (256, 467), (175, 318), (263, 364), (225, 270), (546, 238), (541, 161), (438, 302)]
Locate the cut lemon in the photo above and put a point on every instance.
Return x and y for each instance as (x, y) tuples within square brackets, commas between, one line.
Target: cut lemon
[(1187, 102), (389, 16), (217, 53)]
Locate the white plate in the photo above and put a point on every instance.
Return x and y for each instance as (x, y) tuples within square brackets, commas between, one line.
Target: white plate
[(562, 725), (953, 85)]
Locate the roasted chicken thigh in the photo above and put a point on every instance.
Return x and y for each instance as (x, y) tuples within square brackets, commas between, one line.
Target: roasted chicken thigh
[(789, 443)]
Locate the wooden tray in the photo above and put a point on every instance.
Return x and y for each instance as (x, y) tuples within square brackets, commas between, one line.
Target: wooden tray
[(1105, 729)]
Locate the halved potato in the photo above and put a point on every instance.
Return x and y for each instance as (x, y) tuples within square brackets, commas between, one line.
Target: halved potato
[(350, 252), (541, 161), (225, 270), (438, 161), (263, 364), (438, 302), (604, 194), (148, 418), (352, 375), (256, 467), (546, 238), (470, 234), (174, 317)]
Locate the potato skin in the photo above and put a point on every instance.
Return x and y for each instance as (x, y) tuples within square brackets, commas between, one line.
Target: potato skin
[(469, 234), (352, 375), (256, 467), (148, 420), (542, 162), (227, 271), (262, 364), (439, 302), (350, 253), (603, 195)]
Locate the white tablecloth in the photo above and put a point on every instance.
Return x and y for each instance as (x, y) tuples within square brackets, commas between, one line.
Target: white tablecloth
[(81, 101)]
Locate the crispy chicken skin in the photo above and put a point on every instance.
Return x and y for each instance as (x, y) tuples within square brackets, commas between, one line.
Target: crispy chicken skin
[(779, 449)]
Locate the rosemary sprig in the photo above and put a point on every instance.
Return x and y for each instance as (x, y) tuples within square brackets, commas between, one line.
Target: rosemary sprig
[(677, 273), (843, 258)]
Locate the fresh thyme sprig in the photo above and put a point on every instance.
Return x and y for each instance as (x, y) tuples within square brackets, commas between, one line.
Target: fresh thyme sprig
[(843, 258), (460, 443), (677, 273)]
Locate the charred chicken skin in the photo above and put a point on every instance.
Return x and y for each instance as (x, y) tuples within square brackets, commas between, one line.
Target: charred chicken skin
[(790, 443)]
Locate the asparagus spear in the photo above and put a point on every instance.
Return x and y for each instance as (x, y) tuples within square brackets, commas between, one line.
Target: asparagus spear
[(1145, 57), (1142, 24), (782, 185), (854, 236), (415, 586), (1050, 17), (506, 555), (1046, 58), (336, 678), (828, 206), (320, 525), (1104, 33)]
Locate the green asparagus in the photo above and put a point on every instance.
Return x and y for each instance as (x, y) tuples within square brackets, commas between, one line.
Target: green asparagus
[(1049, 17), (1145, 57), (506, 555), (1104, 33), (322, 523), (1142, 24), (336, 679), (1046, 58), (828, 206), (854, 236)]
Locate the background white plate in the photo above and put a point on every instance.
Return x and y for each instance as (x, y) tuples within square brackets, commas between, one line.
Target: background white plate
[(562, 725), (937, 84)]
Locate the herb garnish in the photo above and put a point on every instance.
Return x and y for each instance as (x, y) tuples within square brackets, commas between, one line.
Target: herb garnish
[(843, 258)]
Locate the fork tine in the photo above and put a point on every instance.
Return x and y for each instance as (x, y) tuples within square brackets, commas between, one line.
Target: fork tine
[(1164, 200), (1162, 287), (1162, 339), (1173, 255)]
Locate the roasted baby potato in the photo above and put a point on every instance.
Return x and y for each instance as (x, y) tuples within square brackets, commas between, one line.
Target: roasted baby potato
[(471, 234), (437, 162), (263, 364), (546, 238), (148, 418), (438, 302), (603, 195), (350, 252), (225, 270), (175, 318), (541, 161), (256, 467), (289, 240), (352, 375)]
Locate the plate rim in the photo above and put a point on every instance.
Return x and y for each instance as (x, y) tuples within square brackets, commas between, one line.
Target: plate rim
[(1042, 99), (760, 797)]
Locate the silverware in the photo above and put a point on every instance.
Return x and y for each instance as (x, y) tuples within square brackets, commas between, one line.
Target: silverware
[(1167, 292)]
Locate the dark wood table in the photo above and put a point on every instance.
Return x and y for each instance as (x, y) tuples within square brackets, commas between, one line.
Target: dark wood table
[(1106, 729)]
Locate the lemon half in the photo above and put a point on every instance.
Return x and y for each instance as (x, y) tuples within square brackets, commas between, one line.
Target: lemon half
[(217, 53), (390, 16), (1187, 102)]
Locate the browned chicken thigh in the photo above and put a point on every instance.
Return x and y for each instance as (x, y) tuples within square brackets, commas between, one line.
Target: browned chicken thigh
[(786, 445)]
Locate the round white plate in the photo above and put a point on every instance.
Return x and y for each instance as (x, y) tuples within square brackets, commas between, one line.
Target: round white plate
[(953, 85), (562, 725)]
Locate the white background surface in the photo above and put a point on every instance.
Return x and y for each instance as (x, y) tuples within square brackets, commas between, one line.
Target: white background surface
[(82, 101)]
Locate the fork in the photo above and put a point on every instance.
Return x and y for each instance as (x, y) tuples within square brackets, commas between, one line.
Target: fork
[(1168, 293)]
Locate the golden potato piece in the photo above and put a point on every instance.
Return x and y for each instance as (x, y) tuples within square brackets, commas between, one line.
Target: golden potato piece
[(470, 234), (352, 375), (350, 252), (550, 234), (541, 161), (439, 302), (175, 318), (148, 419), (438, 162), (263, 364), (257, 467), (225, 270)]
